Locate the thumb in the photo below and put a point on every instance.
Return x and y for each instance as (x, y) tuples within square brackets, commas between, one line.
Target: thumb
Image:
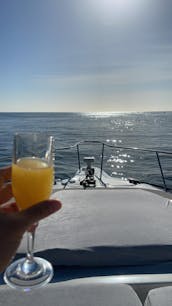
[(39, 211)]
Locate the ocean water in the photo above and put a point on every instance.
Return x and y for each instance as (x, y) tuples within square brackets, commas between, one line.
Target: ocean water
[(151, 131)]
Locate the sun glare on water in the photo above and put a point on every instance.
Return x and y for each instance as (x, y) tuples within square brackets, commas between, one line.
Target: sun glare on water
[(102, 114)]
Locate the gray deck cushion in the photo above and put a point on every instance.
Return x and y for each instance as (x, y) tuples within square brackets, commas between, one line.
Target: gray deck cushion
[(159, 297), (106, 228), (77, 294)]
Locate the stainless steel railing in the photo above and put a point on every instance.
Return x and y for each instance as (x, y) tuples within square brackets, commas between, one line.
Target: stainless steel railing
[(78, 145)]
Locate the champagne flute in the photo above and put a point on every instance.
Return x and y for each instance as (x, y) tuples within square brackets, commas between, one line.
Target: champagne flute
[(32, 181)]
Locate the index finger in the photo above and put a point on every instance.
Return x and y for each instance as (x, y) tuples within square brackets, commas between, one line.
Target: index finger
[(39, 211)]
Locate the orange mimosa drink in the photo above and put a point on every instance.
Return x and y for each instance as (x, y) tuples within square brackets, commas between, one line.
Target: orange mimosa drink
[(32, 180)]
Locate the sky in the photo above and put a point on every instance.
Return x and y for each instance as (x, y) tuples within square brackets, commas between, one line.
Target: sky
[(85, 55)]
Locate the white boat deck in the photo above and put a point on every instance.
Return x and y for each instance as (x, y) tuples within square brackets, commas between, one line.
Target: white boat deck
[(118, 235), (107, 228)]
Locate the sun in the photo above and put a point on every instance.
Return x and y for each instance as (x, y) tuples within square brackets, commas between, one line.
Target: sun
[(118, 11)]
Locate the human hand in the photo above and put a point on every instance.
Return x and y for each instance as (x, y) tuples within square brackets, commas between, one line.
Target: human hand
[(14, 223)]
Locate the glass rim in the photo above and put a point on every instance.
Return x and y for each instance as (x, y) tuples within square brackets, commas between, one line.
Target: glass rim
[(32, 133), (41, 137)]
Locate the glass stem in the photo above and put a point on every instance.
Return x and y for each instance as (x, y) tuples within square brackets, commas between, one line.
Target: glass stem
[(30, 245), (30, 267)]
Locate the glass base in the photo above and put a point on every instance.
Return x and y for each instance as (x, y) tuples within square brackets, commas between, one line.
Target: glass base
[(25, 274)]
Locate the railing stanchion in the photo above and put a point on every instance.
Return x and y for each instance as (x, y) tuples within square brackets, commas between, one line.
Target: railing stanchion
[(78, 154), (101, 167), (162, 174)]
